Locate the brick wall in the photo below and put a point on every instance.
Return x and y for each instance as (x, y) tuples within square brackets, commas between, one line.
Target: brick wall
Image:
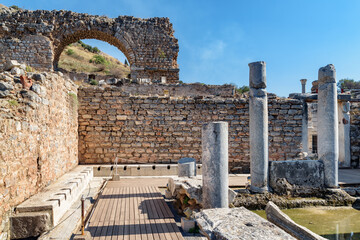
[(38, 138), (148, 129)]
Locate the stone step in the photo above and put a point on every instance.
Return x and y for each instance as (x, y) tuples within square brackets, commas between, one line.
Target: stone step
[(45, 209)]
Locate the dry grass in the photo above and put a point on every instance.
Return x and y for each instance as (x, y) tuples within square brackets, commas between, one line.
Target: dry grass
[(79, 62)]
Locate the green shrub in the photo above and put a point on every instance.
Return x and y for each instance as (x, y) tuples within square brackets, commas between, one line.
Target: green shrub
[(70, 52), (29, 69), (13, 103), (93, 82), (186, 200), (194, 230), (242, 89), (15, 7), (95, 50), (97, 59), (161, 53)]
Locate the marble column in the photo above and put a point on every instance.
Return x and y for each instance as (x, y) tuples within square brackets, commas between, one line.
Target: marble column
[(258, 110), (328, 135), (215, 165), (303, 85), (344, 134)]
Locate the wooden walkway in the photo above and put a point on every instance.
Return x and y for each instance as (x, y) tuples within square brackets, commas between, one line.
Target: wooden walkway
[(137, 213)]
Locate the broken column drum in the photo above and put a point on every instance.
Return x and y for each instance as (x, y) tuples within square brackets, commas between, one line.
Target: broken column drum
[(328, 135), (187, 167), (215, 165), (258, 111)]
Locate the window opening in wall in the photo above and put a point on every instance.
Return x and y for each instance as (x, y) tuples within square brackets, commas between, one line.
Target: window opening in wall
[(314, 143)]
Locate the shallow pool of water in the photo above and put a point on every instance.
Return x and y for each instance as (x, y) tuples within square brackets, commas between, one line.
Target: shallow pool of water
[(338, 223)]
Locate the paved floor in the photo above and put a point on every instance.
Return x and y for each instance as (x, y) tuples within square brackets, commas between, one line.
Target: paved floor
[(135, 211)]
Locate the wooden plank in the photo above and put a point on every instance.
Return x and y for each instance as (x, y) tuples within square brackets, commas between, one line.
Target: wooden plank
[(176, 230), (157, 203), (133, 213), (106, 223), (111, 220), (167, 213), (117, 235), (100, 226), (126, 229), (137, 229), (137, 212), (127, 211), (97, 212), (144, 234), (149, 233), (132, 229), (154, 210), (167, 231), (141, 201), (158, 235), (149, 209)]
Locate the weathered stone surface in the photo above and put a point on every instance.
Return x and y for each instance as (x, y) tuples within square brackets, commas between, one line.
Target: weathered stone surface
[(258, 111), (17, 71), (4, 94), (32, 96), (10, 64), (287, 177), (30, 225), (38, 77), (280, 219), (187, 167), (148, 44), (170, 127), (215, 165), (328, 132), (6, 86), (37, 145), (237, 223), (257, 74)]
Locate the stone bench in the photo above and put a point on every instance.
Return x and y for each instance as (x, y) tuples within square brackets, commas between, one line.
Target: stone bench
[(44, 210)]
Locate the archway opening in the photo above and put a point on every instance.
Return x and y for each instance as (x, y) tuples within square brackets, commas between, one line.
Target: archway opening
[(94, 54), (95, 58)]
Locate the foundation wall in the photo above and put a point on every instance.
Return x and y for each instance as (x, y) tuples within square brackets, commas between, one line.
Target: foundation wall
[(38, 138)]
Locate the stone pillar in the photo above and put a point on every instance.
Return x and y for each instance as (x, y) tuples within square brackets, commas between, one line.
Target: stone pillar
[(344, 134), (215, 165), (303, 85), (258, 109), (305, 126), (328, 135)]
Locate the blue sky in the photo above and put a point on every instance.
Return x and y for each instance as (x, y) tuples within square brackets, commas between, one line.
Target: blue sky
[(218, 39)]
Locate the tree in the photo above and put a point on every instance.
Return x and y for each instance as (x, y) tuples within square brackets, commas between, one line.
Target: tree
[(348, 84), (243, 89), (126, 63)]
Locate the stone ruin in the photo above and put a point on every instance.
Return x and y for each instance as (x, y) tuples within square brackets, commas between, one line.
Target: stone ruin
[(37, 38), (49, 125)]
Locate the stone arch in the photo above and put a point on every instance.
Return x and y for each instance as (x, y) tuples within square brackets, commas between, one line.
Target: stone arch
[(148, 44), (93, 34)]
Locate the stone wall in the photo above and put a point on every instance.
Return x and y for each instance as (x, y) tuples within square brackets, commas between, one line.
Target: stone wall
[(151, 129), (38, 136), (148, 44), (355, 133)]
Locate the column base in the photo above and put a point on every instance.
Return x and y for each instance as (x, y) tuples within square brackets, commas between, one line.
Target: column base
[(258, 190)]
